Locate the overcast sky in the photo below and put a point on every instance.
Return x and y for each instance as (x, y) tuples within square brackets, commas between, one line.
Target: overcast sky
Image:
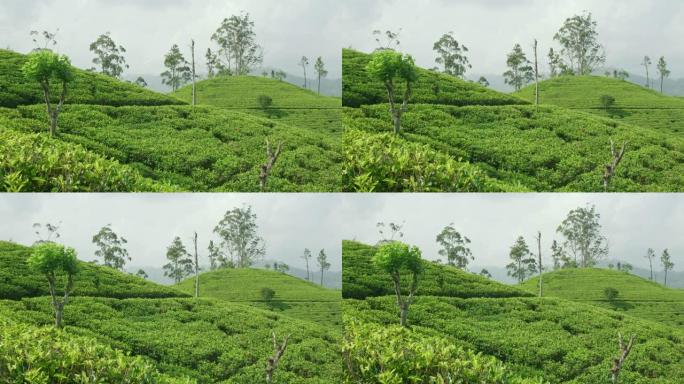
[(290, 222), (147, 28), (629, 29)]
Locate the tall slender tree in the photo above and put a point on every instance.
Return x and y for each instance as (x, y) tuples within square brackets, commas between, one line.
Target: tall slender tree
[(304, 62), (238, 51), (319, 66), (662, 71), (194, 74), (215, 256), (454, 247), (451, 55), (582, 232), (578, 37), (197, 267), (650, 255), (666, 260), (180, 263), (646, 63), (323, 263), (239, 235), (520, 71), (178, 72), (108, 55), (307, 256), (540, 266), (111, 248), (536, 76), (522, 263)]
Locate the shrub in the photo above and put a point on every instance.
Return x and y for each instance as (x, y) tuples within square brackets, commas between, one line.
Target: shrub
[(267, 294), (264, 101), (611, 293), (607, 101)]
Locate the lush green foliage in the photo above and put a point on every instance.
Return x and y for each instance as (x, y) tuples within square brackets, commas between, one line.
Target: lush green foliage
[(34, 162), (199, 149), (50, 356), (395, 355), (551, 149), (637, 297), (87, 88), (634, 104), (18, 280), (358, 88), (207, 340), (362, 278), (293, 296)]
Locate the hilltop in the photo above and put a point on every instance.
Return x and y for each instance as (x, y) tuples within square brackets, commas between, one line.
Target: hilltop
[(496, 142), (293, 296), (637, 296), (634, 104), (558, 340), (87, 88)]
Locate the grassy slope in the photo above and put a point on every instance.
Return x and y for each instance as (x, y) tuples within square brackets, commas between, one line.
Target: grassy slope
[(634, 104), (637, 296), (199, 149), (562, 341), (294, 297), (553, 149), (362, 279), (292, 105), (87, 88), (18, 281)]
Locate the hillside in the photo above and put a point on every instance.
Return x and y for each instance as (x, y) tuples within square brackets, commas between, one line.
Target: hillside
[(558, 340), (18, 281), (87, 88), (292, 105), (637, 296), (634, 104), (497, 147), (361, 279), (293, 296)]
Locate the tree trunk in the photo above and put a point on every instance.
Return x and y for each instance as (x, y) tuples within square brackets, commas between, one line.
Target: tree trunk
[(192, 46), (321, 277), (650, 265), (403, 314), (307, 269), (319, 83), (666, 277), (197, 283), (59, 314), (541, 268), (536, 76), (396, 119)]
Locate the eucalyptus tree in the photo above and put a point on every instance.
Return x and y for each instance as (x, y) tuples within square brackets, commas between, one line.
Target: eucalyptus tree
[(667, 263), (454, 247), (388, 231), (240, 238), (650, 255), (142, 274), (180, 264), (319, 67), (46, 68), (51, 232), (582, 232), (111, 248), (238, 51), (55, 262), (178, 71), (140, 81), (522, 263), (451, 55), (483, 81), (307, 257), (555, 63), (108, 55), (578, 37), (520, 69), (304, 63), (49, 39), (216, 258), (663, 71), (323, 263), (646, 62), (391, 67), (391, 42)]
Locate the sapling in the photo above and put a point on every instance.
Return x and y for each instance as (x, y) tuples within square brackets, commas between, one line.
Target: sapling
[(278, 351), (270, 162), (618, 361), (610, 168)]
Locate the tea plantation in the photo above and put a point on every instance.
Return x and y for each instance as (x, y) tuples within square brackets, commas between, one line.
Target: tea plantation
[(158, 142), (549, 339), (505, 143), (160, 333), (636, 296), (293, 296)]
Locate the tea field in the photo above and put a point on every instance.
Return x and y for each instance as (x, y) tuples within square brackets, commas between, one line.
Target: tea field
[(539, 340)]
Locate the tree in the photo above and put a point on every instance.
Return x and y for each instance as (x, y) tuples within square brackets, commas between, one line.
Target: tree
[(196, 267), (267, 294), (278, 351), (646, 62), (394, 230), (304, 62), (540, 267), (193, 73), (607, 101), (109, 56), (52, 231), (556, 64), (44, 67), (624, 352), (580, 46), (650, 255), (55, 262), (662, 71), (522, 265), (111, 248), (264, 101), (391, 39), (180, 264), (611, 293), (520, 72), (279, 75), (239, 235), (50, 39), (238, 50), (319, 67), (582, 232), (141, 82), (216, 258), (323, 263), (451, 55), (536, 76), (485, 273), (142, 274), (620, 74), (560, 258), (612, 167), (307, 256), (281, 267), (388, 67), (272, 157), (178, 72), (667, 263), (396, 258), (483, 81), (213, 63), (454, 247)]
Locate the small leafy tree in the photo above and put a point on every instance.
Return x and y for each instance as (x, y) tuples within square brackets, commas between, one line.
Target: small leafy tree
[(582, 232), (56, 262), (267, 294), (140, 81), (44, 67), (611, 293), (521, 71), (390, 66), (579, 38), (264, 101), (108, 55), (111, 248), (142, 274), (216, 258), (522, 265), (180, 264), (323, 263), (454, 247), (666, 260), (483, 81), (239, 235), (451, 55), (396, 258), (607, 101), (178, 72)]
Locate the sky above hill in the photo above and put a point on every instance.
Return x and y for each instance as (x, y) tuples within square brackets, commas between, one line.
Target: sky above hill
[(629, 29), (290, 222), (286, 30)]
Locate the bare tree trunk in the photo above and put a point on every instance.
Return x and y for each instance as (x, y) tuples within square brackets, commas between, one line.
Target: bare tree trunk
[(650, 265), (266, 168), (194, 77), (322, 270), (610, 168), (536, 76), (278, 351), (319, 83), (541, 268), (197, 283), (666, 277), (624, 352)]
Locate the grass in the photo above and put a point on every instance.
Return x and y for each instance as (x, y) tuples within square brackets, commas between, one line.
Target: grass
[(634, 104), (637, 296), (293, 296)]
